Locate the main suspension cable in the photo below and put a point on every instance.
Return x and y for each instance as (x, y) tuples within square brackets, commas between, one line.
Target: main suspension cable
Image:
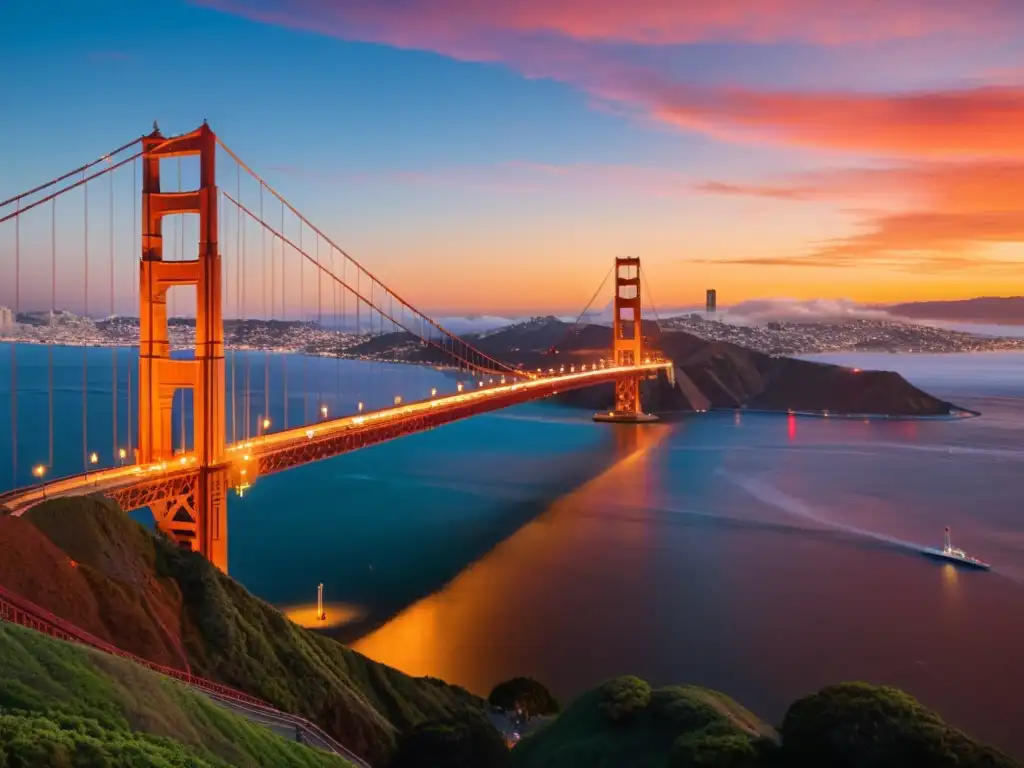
[(499, 366), (373, 306)]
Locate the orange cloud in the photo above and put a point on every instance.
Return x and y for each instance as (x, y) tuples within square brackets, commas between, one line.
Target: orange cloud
[(975, 122), (953, 213)]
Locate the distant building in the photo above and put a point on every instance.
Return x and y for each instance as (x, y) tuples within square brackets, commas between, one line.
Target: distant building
[(6, 319), (712, 305)]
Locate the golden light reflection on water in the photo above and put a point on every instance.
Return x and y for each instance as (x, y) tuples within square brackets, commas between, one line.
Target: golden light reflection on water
[(449, 634), (337, 615)]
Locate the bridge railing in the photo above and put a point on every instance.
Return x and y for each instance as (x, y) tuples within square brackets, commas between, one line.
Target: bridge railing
[(18, 610)]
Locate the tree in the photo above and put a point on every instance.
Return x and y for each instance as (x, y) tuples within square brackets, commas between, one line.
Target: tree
[(466, 742), (526, 694)]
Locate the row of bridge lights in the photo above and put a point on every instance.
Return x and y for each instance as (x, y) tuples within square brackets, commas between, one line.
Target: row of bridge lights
[(39, 471)]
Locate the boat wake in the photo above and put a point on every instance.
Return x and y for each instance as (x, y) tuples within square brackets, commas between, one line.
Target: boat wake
[(772, 496)]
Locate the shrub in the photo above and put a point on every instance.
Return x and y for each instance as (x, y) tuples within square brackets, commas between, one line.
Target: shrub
[(623, 697)]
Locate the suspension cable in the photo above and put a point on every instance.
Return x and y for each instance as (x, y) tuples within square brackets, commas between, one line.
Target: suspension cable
[(14, 351), (499, 365), (267, 227), (265, 280), (53, 313), (573, 328), (114, 351), (647, 290), (135, 296), (284, 311), (69, 187), (85, 348), (69, 174)]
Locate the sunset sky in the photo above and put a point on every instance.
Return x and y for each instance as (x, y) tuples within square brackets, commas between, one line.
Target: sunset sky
[(495, 156)]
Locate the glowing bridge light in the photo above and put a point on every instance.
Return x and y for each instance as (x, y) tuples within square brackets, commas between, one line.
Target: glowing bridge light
[(183, 460), (433, 391), (266, 423), (502, 379), (460, 386), (481, 383), (398, 399), (323, 411), (309, 433), (360, 407), (121, 453), (93, 458), (39, 470)]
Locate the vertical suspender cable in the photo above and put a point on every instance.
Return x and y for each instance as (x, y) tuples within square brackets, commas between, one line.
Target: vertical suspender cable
[(85, 349), (319, 311), (344, 321), (265, 280), (53, 313), (14, 348), (238, 297), (284, 356), (113, 358), (302, 314)]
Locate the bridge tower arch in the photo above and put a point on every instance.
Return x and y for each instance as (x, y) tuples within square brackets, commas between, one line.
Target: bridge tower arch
[(197, 518), (627, 343)]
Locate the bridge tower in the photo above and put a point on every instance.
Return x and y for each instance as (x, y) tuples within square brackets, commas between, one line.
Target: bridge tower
[(627, 342), (196, 519)]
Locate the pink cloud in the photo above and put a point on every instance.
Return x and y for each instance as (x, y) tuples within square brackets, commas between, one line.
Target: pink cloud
[(555, 38), (447, 25)]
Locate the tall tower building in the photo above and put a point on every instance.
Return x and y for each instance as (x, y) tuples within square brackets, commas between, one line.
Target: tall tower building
[(712, 303)]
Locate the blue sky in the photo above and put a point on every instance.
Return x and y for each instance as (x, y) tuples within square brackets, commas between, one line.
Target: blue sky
[(517, 150)]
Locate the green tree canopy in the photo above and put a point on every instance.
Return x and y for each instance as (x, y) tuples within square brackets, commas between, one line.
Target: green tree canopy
[(526, 694)]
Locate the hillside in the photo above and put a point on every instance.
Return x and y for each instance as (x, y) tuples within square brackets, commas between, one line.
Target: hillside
[(986, 309), (89, 563), (715, 374), (66, 705), (851, 725)]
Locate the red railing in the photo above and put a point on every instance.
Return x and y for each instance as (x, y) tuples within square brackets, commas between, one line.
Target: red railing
[(17, 610)]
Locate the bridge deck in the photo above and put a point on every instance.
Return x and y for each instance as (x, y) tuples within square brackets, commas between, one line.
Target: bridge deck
[(137, 486)]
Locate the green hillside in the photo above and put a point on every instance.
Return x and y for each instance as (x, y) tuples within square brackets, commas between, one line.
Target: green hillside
[(123, 583), (65, 705)]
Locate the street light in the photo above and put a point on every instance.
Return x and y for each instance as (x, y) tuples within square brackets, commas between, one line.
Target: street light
[(433, 391), (360, 406), (323, 411), (121, 454), (39, 470), (460, 386), (398, 399), (93, 458)]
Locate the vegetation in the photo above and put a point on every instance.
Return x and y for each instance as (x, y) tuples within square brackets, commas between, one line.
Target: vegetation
[(625, 722), (65, 705), (524, 694), (852, 725), (176, 600), (855, 725), (469, 741)]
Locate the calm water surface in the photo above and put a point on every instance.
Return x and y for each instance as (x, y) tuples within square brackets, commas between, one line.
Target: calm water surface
[(761, 555)]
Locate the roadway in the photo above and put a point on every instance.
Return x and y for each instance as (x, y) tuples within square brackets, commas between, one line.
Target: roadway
[(277, 451)]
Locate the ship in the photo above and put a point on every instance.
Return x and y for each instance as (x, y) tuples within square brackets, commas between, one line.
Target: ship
[(951, 554)]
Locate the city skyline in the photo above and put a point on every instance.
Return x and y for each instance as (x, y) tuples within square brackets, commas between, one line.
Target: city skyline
[(865, 153)]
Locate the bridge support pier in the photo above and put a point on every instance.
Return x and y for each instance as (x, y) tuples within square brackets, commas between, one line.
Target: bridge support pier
[(627, 344), (197, 518)]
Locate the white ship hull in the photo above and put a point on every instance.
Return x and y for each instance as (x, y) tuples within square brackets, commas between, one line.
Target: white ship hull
[(958, 558)]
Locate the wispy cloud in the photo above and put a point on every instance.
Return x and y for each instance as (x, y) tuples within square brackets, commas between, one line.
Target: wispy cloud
[(455, 27), (585, 43), (946, 215)]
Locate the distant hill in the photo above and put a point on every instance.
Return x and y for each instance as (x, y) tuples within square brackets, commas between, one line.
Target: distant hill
[(1007, 310), (714, 374)]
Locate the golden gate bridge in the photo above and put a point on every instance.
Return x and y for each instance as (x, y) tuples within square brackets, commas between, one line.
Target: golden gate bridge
[(240, 257)]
